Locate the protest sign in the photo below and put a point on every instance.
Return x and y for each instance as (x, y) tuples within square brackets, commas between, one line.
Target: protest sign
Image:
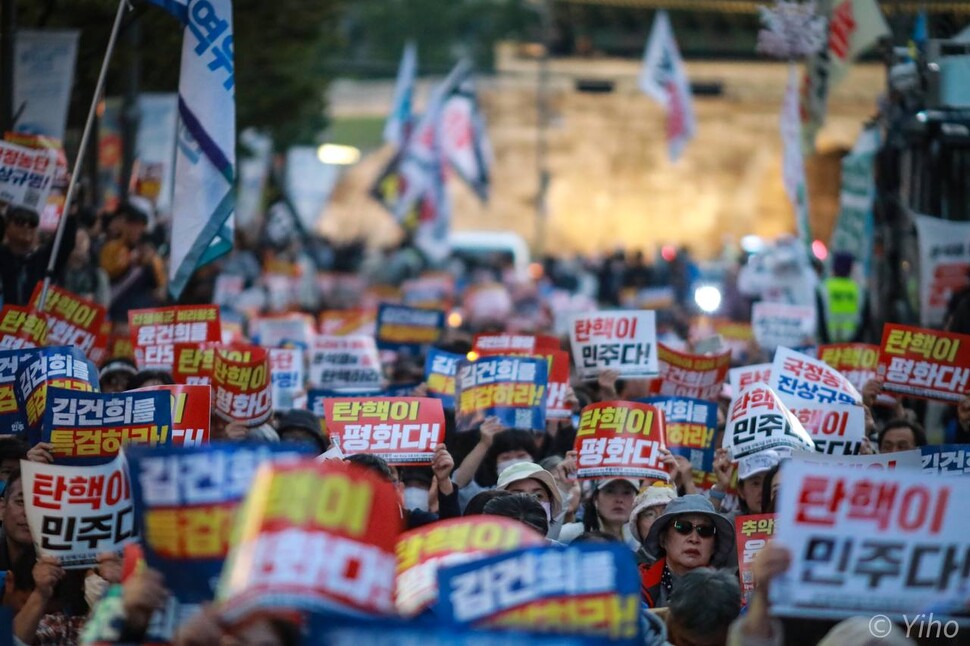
[(60, 367), (925, 363), (191, 406), (194, 362), (741, 378), (277, 331), (402, 430), (422, 551), (758, 420), (26, 175), (487, 303), (440, 368), (241, 385), (558, 390), (21, 327), (317, 397), (692, 375), (835, 429), (780, 324), (510, 388), (866, 541), (408, 329), (877, 461), (621, 341), (620, 439), (752, 533), (186, 500), (12, 417), (286, 376), (430, 290), (345, 362), (590, 588), (86, 427), (71, 320), (946, 459), (350, 631), (798, 379), (348, 323), (944, 265), (690, 426), (858, 362), (313, 536), (76, 513), (53, 208), (514, 344), (155, 331), (736, 337)]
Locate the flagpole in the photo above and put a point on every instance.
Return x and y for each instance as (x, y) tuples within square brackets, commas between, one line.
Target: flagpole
[(79, 159)]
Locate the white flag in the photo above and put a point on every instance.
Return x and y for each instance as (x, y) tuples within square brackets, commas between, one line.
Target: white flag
[(465, 141), (399, 121), (793, 161), (664, 78)]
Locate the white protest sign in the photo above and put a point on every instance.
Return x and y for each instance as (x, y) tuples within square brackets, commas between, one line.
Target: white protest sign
[(878, 461), (798, 378), (758, 420), (944, 260), (26, 175), (756, 373), (835, 428), (780, 324), (621, 341), (286, 376), (345, 362)]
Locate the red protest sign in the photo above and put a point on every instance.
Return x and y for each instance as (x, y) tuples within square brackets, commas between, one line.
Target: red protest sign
[(925, 363), (692, 375), (21, 327), (154, 332), (314, 536), (402, 430), (620, 439), (190, 413), (241, 384), (514, 344), (752, 533), (858, 362), (556, 406), (71, 319)]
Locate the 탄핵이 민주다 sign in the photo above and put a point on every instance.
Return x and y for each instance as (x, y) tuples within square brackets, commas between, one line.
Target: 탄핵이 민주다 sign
[(835, 428), (620, 439), (401, 430), (621, 341), (758, 420)]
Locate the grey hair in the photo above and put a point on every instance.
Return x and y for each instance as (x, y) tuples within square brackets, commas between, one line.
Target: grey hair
[(705, 601)]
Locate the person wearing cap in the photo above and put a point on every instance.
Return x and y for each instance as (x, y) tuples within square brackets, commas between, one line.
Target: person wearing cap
[(116, 375), (23, 262), (751, 475), (302, 427), (647, 507), (607, 510), (688, 535), (532, 479)]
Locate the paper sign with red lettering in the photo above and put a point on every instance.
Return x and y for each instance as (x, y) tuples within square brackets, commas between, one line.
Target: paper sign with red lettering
[(741, 378), (864, 541), (835, 429), (422, 551), (60, 367), (925, 363), (780, 324), (621, 341), (514, 344), (858, 362), (944, 265), (752, 533), (71, 320), (620, 439), (556, 406), (241, 385), (313, 536), (879, 461), (690, 426), (194, 362), (402, 430), (348, 323), (154, 332), (286, 376), (77, 513), (275, 331), (338, 362), (692, 375), (191, 412), (21, 327), (26, 175), (758, 420), (798, 379)]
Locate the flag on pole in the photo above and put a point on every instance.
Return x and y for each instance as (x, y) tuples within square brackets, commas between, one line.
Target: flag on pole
[(793, 160), (664, 78), (206, 147), (465, 141), (399, 121)]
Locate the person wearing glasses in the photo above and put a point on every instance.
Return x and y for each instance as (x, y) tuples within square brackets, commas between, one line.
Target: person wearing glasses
[(688, 535), (22, 260)]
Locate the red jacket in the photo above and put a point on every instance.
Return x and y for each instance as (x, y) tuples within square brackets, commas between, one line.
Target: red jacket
[(651, 582)]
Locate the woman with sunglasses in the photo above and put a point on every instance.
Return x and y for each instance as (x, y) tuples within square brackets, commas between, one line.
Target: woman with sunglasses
[(688, 535)]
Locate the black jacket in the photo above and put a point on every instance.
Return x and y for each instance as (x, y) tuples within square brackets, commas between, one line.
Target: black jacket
[(20, 274)]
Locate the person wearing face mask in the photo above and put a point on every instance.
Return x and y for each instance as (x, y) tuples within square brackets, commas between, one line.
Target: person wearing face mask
[(530, 478), (607, 510)]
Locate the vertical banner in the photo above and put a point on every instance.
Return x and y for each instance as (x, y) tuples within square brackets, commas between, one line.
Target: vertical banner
[(944, 265), (752, 533), (155, 331), (72, 320), (440, 368), (621, 341), (620, 439), (408, 329), (690, 427), (109, 154), (510, 388), (77, 513), (155, 149), (758, 420), (854, 228), (43, 77), (345, 362), (925, 363), (60, 367), (401, 430), (793, 160), (692, 375), (21, 327), (241, 385)]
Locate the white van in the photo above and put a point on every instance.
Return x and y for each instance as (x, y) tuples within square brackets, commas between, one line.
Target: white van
[(481, 244)]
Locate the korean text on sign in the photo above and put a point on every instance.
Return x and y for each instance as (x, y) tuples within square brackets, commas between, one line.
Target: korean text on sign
[(241, 386), (511, 388), (865, 540), (741, 378), (690, 427), (925, 363), (752, 533), (877, 462), (946, 459), (440, 369), (26, 175), (60, 367), (408, 328), (835, 429), (758, 420), (286, 376), (194, 362), (858, 362), (403, 430), (76, 513), (191, 412), (12, 418), (71, 320), (620, 439), (798, 378), (345, 362), (21, 327), (621, 341), (692, 375), (154, 332)]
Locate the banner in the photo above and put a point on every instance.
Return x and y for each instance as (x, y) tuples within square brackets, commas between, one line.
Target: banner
[(430, 290), (252, 172), (440, 368), (588, 588), (193, 362), (348, 323), (690, 427), (73, 320), (43, 76), (510, 388), (780, 324), (741, 378), (752, 533), (277, 331), (514, 344), (621, 341), (26, 175), (864, 541), (21, 327), (798, 378), (241, 386), (77, 513), (404, 431), (620, 439), (946, 459), (155, 149), (793, 160), (944, 265), (313, 536), (663, 77), (186, 501), (423, 551), (835, 429), (692, 375), (878, 461), (407, 329), (925, 363), (191, 406), (85, 427), (155, 331), (853, 231), (758, 420), (59, 367), (345, 362), (286, 376)]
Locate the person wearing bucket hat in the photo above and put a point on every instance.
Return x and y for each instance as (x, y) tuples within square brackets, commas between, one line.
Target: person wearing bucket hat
[(530, 478), (751, 474), (647, 507), (607, 510), (688, 535)]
